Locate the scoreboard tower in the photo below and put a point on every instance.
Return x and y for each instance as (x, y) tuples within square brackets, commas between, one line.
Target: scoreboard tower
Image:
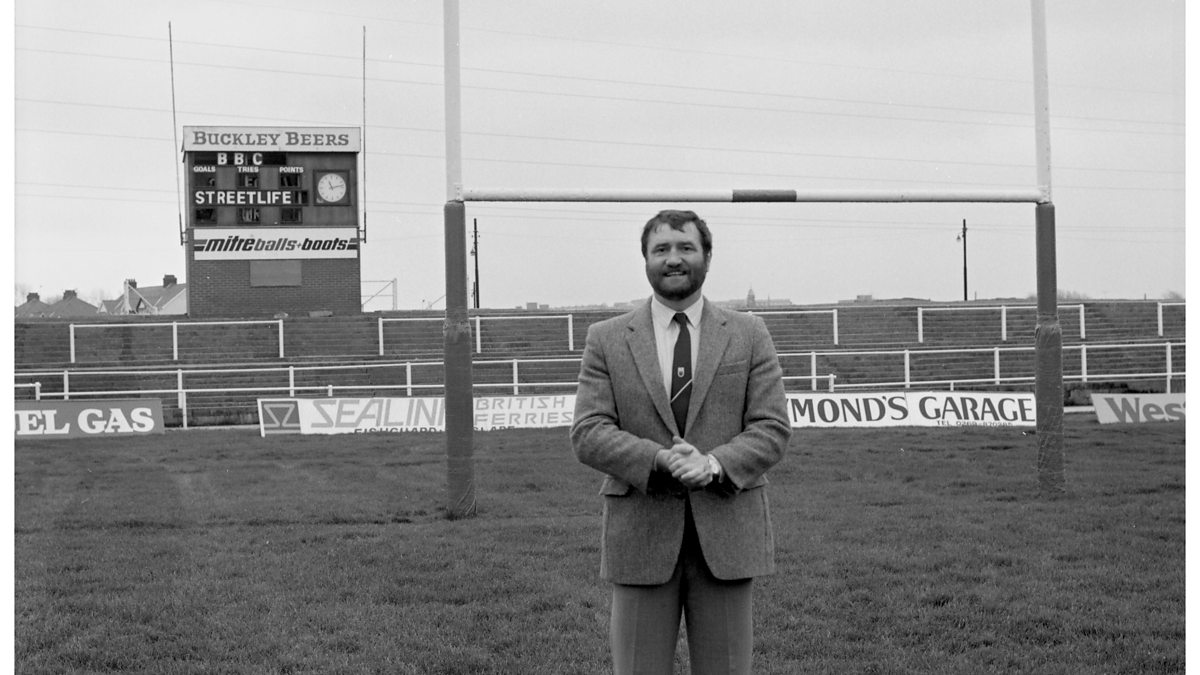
[(272, 221)]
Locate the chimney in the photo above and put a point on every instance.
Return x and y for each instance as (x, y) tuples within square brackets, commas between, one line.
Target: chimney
[(131, 282), (33, 297), (169, 280), (68, 295)]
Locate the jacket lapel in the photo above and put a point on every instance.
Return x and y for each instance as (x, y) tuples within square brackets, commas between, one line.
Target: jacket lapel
[(640, 337), (713, 339)]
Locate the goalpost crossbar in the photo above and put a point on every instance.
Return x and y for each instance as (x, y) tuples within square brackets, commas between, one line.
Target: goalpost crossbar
[(1028, 195)]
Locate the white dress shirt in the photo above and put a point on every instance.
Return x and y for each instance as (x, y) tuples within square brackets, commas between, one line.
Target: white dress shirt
[(666, 331)]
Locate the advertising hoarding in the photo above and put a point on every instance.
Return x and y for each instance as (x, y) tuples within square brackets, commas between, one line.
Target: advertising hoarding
[(367, 415), (274, 243), (816, 410), (1139, 408), (88, 419), (272, 139)]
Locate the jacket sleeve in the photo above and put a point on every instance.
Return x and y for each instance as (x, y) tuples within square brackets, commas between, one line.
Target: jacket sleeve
[(596, 435)]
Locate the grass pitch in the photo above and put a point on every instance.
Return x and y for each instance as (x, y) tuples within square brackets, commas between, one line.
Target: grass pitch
[(900, 551)]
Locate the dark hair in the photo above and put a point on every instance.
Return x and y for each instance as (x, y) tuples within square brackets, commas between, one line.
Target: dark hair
[(677, 220)]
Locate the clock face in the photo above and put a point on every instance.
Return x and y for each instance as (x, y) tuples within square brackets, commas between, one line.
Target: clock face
[(331, 187)]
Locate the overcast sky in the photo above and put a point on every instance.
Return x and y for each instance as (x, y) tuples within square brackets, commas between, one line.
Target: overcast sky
[(805, 94)]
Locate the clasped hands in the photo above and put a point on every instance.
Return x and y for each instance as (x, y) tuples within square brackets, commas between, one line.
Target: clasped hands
[(685, 463)]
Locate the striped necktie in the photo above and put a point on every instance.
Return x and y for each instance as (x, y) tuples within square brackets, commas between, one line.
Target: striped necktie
[(681, 372)]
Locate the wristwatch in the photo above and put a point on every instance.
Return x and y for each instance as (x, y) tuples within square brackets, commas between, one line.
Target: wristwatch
[(715, 467)]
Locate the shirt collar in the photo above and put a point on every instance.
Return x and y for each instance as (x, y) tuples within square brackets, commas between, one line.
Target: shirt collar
[(663, 315)]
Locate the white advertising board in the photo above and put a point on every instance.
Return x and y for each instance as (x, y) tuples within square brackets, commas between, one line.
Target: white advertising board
[(816, 410), (274, 243), (911, 409), (272, 139), (1139, 408), (368, 415), (88, 419)]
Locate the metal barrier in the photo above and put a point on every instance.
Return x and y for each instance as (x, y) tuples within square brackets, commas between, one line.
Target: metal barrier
[(554, 338), (174, 326), (1160, 313), (1004, 309), (478, 321)]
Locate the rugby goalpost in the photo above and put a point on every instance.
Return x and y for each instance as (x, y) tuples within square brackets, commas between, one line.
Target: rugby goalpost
[(1048, 386)]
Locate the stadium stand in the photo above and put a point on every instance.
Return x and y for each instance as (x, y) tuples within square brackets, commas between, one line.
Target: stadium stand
[(225, 366)]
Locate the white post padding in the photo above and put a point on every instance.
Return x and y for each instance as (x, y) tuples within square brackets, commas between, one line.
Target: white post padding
[(453, 87), (1041, 98)]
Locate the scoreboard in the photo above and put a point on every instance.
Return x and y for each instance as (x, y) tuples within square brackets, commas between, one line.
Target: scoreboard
[(272, 220)]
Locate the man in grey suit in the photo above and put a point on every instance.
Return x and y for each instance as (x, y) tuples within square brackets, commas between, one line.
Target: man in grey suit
[(681, 405)]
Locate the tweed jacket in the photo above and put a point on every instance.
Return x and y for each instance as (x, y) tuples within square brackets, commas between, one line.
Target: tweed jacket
[(737, 413)]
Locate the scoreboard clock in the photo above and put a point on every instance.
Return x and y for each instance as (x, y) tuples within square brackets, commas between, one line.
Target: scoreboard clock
[(333, 187)]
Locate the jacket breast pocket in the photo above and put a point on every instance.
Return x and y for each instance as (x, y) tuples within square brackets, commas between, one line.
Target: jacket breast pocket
[(733, 368)]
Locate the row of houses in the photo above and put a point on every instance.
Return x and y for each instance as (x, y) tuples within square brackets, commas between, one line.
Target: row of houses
[(168, 299)]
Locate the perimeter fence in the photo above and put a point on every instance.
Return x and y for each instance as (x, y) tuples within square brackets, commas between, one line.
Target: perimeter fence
[(507, 334)]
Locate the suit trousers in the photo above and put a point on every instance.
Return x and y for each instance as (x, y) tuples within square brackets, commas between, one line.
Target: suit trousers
[(644, 626)]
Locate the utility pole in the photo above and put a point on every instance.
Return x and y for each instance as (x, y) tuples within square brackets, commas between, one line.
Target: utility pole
[(475, 255), (963, 238)]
